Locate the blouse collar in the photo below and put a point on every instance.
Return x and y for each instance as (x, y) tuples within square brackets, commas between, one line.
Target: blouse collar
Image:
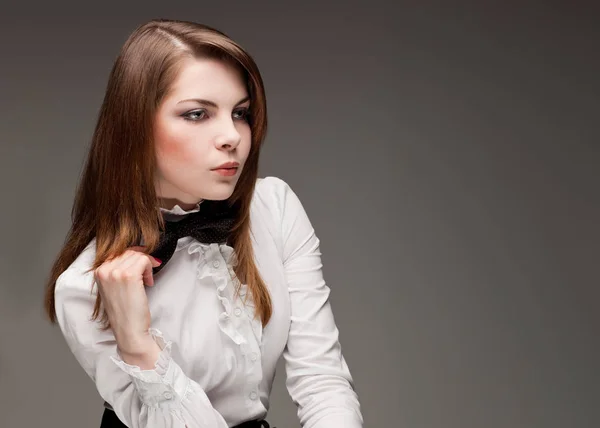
[(177, 213)]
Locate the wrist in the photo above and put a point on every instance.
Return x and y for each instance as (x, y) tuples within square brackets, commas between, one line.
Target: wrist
[(144, 353)]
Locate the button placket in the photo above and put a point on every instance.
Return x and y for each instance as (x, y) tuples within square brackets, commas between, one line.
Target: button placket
[(244, 324), (240, 318), (250, 351)]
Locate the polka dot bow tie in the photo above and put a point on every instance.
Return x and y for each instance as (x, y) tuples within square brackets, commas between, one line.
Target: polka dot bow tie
[(212, 224)]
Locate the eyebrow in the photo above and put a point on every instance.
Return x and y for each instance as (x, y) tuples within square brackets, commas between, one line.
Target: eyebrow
[(211, 103)]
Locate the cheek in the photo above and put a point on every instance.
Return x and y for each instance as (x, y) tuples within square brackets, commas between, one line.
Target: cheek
[(174, 146), (244, 147), (168, 148)]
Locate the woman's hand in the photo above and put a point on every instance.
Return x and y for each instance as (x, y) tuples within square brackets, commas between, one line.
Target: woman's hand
[(121, 283)]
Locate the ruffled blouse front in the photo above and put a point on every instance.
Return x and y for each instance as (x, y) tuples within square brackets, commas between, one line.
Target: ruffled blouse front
[(214, 271), (233, 301), (217, 362)]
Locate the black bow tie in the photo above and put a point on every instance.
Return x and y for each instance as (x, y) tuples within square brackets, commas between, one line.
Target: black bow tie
[(212, 224)]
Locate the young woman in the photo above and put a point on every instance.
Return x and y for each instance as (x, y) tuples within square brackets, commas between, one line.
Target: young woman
[(184, 276)]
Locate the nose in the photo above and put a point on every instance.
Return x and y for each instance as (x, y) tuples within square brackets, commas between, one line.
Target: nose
[(229, 137)]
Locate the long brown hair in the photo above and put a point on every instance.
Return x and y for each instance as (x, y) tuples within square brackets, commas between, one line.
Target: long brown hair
[(116, 201)]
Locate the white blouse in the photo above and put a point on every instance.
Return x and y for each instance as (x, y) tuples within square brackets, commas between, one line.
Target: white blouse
[(217, 363)]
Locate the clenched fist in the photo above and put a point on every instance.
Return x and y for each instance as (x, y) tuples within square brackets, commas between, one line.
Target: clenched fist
[(121, 282)]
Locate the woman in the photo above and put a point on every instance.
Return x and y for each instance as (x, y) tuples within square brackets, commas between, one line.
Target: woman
[(185, 277)]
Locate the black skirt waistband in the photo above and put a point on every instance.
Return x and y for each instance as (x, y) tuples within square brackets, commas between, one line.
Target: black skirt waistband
[(110, 420)]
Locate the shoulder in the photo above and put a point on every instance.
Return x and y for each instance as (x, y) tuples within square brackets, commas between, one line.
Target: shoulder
[(275, 196), (271, 189), (278, 207), (78, 276)]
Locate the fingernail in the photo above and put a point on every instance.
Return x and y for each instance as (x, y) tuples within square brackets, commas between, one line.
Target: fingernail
[(158, 260)]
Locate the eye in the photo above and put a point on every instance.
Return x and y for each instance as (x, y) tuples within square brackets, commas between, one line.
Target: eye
[(199, 115), (195, 116), (243, 113)]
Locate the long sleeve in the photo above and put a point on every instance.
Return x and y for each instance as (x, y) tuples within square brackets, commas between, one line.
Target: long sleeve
[(318, 378), (161, 397)]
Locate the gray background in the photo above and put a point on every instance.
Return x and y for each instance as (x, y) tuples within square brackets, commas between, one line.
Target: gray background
[(447, 156)]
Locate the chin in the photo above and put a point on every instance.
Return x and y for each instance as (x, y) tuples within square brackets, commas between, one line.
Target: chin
[(219, 191)]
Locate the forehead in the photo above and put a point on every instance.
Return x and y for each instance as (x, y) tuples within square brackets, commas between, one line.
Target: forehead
[(208, 78)]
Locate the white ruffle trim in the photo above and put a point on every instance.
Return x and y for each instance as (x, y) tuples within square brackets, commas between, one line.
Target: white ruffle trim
[(223, 277), (177, 210), (161, 368), (165, 387)]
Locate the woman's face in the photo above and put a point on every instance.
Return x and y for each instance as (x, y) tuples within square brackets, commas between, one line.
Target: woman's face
[(201, 124)]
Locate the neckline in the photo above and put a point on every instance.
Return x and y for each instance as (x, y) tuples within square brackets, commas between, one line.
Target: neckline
[(177, 213)]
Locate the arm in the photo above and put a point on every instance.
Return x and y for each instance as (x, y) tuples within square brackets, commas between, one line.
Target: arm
[(160, 397), (318, 378)]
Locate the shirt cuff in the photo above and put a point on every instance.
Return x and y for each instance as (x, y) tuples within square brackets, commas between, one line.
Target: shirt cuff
[(166, 384)]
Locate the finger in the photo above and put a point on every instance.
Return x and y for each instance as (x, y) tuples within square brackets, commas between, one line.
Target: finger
[(125, 256), (125, 260), (129, 257), (129, 263), (155, 262), (137, 263), (146, 265)]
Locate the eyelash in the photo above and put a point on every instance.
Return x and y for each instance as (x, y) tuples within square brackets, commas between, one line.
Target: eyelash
[(186, 116)]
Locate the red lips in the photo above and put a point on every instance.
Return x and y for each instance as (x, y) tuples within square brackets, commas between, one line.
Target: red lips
[(228, 165)]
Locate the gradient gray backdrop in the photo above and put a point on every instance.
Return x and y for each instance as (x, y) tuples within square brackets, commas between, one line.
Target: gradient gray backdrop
[(448, 158)]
